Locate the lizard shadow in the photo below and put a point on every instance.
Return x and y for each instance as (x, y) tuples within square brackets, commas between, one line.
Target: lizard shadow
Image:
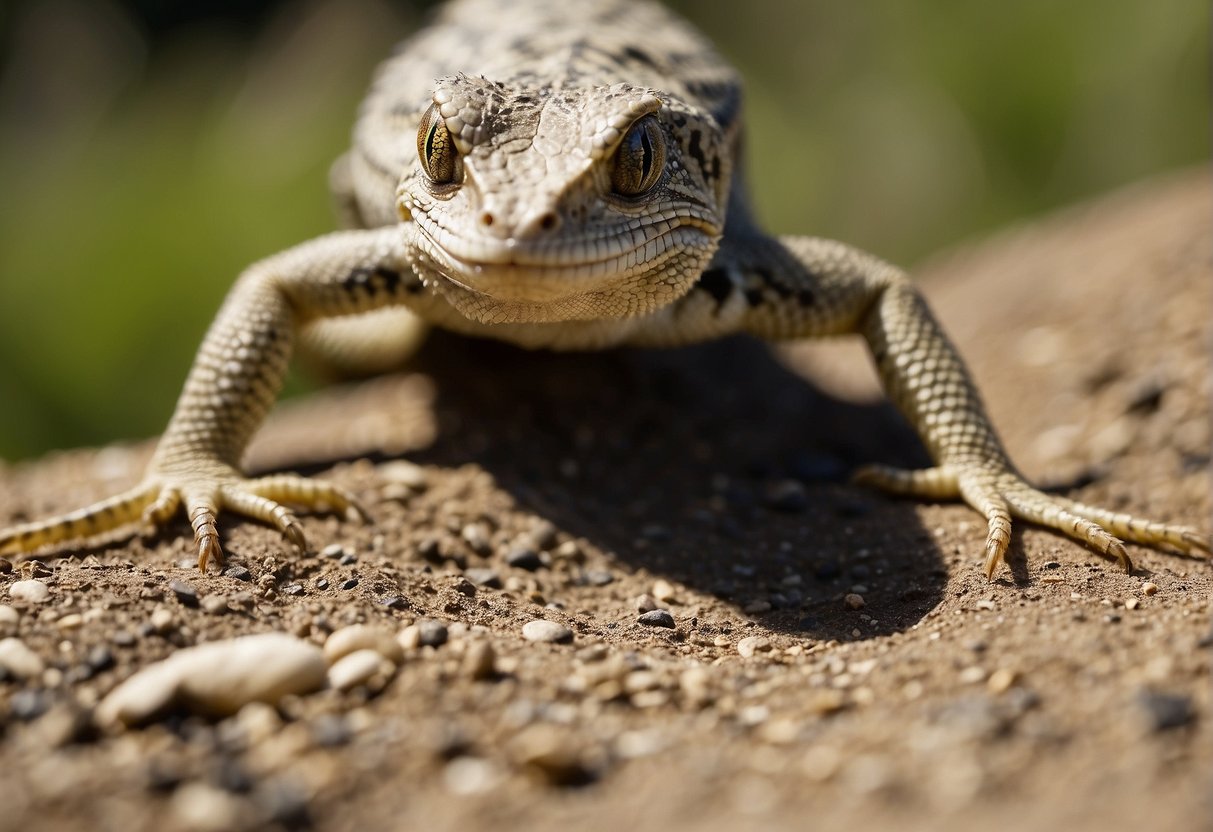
[(715, 466)]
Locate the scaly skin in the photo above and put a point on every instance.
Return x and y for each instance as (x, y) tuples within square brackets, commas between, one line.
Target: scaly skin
[(568, 182)]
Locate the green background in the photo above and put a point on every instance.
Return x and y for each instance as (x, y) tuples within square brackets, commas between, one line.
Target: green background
[(150, 150)]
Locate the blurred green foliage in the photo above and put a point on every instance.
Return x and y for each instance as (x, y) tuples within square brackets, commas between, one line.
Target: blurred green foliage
[(141, 170)]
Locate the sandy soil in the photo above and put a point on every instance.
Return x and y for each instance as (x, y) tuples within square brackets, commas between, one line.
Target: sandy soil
[(565, 487)]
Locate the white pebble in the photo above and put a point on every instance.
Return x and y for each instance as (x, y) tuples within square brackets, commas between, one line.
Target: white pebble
[(750, 645), (201, 808), (217, 678), (362, 667), (19, 660), (1149, 588), (362, 637), (35, 592), (161, 620), (8, 615), (471, 775), (664, 591), (548, 631)]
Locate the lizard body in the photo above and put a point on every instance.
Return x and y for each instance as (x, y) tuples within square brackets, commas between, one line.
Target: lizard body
[(565, 176)]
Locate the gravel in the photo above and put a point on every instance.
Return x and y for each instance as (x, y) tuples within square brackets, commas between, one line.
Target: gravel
[(547, 631)]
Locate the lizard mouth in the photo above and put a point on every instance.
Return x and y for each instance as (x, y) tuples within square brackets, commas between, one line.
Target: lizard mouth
[(510, 271)]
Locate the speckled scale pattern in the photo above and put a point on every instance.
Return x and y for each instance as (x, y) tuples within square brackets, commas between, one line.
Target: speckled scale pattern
[(531, 242)]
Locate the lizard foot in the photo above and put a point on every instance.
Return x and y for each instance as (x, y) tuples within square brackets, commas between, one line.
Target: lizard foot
[(1002, 495), (157, 499)]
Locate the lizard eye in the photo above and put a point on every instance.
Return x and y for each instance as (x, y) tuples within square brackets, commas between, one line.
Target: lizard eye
[(435, 148), (640, 158)]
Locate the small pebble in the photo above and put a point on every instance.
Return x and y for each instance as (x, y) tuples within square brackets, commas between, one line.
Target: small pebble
[(219, 677), (9, 615), (30, 703), (483, 577), (395, 602), (357, 637), (19, 660), (35, 592), (334, 551), (658, 618), (854, 601), (547, 631), (543, 535), (285, 804), (787, 495), (1001, 680), (750, 645), (331, 730), (432, 633), (570, 550), (215, 604), (349, 583), (198, 807), (476, 536), (599, 577), (480, 661), (293, 589), (186, 593), (1166, 711), (361, 668), (664, 591), (1149, 588), (551, 753), (238, 573), (162, 620), (99, 658), (524, 558), (470, 775), (1132, 603), (972, 675), (646, 603), (406, 473)]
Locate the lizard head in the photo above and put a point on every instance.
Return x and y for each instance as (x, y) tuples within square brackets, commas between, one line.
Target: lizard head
[(548, 204)]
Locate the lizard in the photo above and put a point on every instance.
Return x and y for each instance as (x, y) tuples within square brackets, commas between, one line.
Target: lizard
[(564, 176)]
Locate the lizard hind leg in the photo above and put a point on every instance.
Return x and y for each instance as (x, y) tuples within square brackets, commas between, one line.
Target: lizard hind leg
[(98, 518)]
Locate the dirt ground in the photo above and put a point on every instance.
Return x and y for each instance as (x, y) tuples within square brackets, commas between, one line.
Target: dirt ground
[(1064, 694)]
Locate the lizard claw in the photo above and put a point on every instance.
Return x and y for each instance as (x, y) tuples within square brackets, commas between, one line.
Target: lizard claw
[(1001, 495), (157, 499)]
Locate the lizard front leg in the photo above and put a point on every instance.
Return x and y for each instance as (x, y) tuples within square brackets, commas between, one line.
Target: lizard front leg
[(235, 379), (797, 287)]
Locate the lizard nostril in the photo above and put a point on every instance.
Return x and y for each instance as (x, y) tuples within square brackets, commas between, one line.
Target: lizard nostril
[(486, 219), (549, 221)]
